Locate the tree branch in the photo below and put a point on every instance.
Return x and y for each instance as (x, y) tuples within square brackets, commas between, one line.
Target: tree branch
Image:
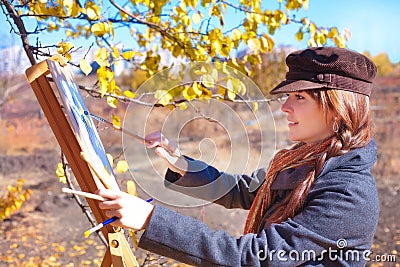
[(21, 28), (151, 25)]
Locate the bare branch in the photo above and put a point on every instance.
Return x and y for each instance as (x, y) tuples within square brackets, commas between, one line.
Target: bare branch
[(153, 26), (21, 28)]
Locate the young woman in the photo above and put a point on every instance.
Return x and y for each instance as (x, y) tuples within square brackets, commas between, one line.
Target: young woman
[(317, 202)]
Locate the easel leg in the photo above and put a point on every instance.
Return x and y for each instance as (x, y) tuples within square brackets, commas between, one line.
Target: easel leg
[(118, 254), (107, 262), (129, 258)]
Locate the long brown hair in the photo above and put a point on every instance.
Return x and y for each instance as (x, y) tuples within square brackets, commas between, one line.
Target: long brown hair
[(352, 114)]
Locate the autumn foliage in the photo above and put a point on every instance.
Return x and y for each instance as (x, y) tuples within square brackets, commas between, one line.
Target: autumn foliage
[(13, 199)]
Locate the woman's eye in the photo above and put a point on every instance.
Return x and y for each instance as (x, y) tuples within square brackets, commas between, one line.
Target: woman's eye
[(282, 99), (298, 96)]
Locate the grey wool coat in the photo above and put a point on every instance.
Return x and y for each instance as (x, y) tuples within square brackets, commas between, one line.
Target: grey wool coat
[(335, 228)]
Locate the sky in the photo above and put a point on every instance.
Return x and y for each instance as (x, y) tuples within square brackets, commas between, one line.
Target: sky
[(374, 25)]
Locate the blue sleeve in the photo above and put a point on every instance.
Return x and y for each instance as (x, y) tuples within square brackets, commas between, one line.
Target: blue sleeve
[(336, 209), (206, 182)]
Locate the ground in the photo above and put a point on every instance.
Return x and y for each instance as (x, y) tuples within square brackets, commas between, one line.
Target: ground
[(48, 229)]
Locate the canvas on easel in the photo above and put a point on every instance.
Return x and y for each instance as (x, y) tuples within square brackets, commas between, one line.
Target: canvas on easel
[(81, 145)]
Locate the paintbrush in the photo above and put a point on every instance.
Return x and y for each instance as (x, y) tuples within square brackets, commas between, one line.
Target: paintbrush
[(99, 226), (176, 153), (96, 197), (102, 224), (83, 194)]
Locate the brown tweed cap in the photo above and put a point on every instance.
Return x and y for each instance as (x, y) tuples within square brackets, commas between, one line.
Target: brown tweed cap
[(328, 67)]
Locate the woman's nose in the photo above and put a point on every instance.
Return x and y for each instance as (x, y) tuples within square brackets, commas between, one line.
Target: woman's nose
[(286, 107)]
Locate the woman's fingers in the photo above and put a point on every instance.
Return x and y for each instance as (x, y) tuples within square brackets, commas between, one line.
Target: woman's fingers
[(113, 213), (132, 211), (154, 139), (157, 139), (110, 194), (110, 205)]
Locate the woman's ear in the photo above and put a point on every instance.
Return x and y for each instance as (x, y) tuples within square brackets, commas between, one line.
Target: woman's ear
[(336, 125), (331, 119)]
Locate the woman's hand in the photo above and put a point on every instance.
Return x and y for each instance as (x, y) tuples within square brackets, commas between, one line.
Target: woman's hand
[(132, 211), (168, 151)]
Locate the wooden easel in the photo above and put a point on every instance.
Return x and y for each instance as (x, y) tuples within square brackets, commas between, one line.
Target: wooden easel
[(118, 253)]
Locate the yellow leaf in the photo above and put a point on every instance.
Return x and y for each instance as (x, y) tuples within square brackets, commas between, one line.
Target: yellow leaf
[(311, 42), (299, 35), (102, 56), (232, 91), (105, 76), (216, 47), (122, 166), (131, 188), (112, 101), (333, 32), (313, 28), (266, 43), (320, 38), (254, 44), (85, 66), (185, 20), (236, 34), (61, 174), (128, 55), (52, 26), (92, 10), (69, 33), (163, 97), (207, 80), (100, 28), (182, 106), (236, 86), (206, 95), (215, 34), (116, 121), (226, 49), (113, 88), (197, 88), (111, 29), (215, 11), (221, 91), (110, 159), (68, 4), (200, 71), (115, 52), (7, 212), (18, 204), (60, 248), (130, 94), (188, 93), (123, 15), (134, 238), (196, 18), (64, 48)]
